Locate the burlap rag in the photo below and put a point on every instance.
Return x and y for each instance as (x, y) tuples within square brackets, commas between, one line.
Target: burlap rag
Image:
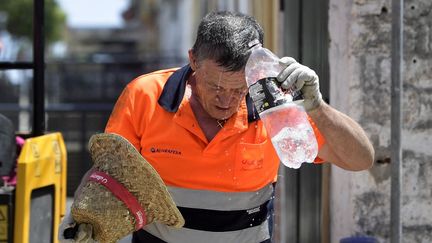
[(96, 205)]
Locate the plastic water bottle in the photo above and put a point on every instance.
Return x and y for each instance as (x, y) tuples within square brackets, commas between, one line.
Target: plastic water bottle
[(285, 121)]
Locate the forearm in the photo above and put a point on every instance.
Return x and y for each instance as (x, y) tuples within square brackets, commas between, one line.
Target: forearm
[(347, 145)]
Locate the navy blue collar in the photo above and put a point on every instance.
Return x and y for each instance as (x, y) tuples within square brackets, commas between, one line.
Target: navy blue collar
[(174, 90)]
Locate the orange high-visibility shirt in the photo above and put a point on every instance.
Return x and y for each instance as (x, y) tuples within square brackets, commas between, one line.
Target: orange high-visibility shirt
[(239, 158)]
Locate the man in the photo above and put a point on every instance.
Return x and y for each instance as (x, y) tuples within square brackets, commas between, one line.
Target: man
[(197, 127)]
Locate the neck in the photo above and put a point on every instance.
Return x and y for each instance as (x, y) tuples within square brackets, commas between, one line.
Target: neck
[(196, 105), (209, 125)]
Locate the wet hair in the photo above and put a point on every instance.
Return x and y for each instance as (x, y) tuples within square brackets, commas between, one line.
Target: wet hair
[(224, 36)]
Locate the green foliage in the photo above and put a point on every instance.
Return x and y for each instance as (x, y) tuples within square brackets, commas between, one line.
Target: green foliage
[(20, 18)]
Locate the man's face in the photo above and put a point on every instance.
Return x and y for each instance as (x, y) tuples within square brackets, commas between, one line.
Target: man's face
[(219, 92)]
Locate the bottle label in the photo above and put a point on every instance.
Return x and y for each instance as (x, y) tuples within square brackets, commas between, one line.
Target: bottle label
[(266, 94)]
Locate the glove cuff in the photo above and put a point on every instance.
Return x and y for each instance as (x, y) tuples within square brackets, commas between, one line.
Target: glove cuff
[(313, 104)]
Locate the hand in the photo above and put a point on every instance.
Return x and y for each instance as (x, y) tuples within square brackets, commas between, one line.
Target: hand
[(83, 233), (300, 77)]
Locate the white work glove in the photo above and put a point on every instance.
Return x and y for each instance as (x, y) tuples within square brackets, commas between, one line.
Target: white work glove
[(83, 233), (299, 77)]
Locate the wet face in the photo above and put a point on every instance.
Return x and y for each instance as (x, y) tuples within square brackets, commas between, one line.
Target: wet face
[(218, 91)]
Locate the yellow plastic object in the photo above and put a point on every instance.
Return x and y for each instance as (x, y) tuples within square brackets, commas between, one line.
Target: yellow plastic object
[(3, 223), (42, 163)]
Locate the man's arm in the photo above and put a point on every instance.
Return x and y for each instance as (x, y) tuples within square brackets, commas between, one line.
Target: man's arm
[(347, 145)]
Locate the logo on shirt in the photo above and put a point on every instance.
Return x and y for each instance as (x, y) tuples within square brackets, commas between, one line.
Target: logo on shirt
[(252, 164), (165, 150)]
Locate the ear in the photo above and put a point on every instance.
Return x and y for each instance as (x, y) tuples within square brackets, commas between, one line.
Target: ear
[(192, 60)]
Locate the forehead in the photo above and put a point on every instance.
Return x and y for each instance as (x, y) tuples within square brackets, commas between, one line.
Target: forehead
[(217, 75)]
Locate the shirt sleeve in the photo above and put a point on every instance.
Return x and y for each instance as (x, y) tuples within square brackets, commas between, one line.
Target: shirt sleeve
[(319, 138), (121, 120)]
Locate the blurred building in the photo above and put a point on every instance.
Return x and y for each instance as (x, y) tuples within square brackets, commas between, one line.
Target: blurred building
[(360, 63)]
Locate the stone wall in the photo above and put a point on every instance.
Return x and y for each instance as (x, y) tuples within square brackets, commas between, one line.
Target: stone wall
[(360, 52)]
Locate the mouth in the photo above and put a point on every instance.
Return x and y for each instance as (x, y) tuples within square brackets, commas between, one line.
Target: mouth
[(223, 108)]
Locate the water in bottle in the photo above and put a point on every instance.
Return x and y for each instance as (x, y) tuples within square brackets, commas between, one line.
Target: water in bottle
[(285, 121)]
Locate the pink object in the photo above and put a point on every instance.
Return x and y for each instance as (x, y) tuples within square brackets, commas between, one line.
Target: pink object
[(10, 179)]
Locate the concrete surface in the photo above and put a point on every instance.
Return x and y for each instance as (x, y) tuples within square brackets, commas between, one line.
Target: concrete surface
[(360, 58)]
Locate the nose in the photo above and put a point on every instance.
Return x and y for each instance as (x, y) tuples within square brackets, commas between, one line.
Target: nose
[(224, 99)]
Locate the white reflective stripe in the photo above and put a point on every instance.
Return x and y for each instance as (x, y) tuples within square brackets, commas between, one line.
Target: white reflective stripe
[(226, 201), (255, 234)]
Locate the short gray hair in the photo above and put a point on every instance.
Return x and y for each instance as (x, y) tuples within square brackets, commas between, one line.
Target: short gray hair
[(224, 36)]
